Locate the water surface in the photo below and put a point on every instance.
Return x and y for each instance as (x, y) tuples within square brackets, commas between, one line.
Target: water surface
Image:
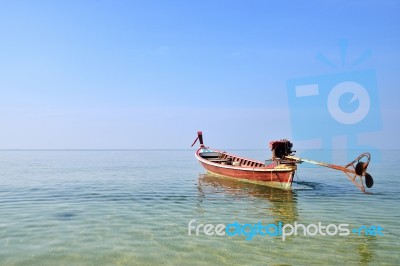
[(133, 208)]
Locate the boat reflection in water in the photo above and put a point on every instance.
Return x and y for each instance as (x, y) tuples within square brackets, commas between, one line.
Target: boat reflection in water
[(281, 204)]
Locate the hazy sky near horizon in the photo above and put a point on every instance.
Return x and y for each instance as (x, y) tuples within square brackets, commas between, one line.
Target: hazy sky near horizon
[(149, 74)]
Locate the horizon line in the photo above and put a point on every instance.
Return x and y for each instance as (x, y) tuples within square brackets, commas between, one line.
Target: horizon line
[(162, 149)]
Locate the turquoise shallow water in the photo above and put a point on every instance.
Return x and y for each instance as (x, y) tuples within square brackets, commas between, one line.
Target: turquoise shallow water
[(133, 208)]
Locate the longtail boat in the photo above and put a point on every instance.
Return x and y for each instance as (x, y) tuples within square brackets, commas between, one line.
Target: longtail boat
[(277, 171)]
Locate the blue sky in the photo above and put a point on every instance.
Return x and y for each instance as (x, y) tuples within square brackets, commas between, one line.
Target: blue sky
[(149, 74)]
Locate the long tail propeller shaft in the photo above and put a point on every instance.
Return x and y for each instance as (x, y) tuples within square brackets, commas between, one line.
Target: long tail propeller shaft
[(354, 169)]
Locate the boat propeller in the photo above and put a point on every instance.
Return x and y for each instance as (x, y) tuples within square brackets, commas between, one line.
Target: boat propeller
[(360, 170), (356, 168)]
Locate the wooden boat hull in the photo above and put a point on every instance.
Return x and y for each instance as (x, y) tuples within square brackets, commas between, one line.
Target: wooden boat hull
[(276, 175)]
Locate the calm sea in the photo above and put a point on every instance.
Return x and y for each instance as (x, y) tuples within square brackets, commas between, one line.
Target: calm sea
[(133, 208)]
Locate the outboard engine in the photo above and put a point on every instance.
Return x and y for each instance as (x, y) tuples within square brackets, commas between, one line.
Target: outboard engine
[(281, 148)]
